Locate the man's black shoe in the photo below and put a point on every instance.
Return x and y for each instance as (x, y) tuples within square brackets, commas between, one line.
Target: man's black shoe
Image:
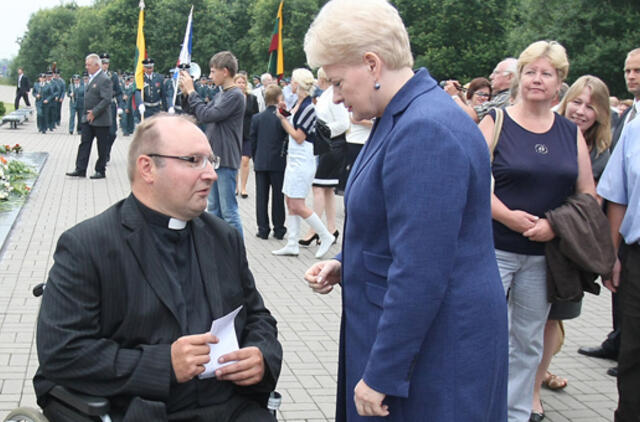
[(279, 236), (76, 173), (262, 236), (613, 371), (598, 352), (97, 175)]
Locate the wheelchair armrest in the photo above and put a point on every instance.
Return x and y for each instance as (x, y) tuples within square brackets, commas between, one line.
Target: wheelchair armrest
[(89, 405)]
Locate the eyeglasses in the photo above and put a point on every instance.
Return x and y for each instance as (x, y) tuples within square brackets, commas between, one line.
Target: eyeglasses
[(197, 161), (482, 94)]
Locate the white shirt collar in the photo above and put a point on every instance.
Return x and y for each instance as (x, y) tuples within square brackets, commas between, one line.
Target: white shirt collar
[(175, 224)]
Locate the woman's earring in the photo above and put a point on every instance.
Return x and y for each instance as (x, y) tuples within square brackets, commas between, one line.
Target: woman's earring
[(376, 86)]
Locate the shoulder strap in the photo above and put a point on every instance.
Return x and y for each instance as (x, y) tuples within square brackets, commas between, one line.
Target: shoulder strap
[(497, 127)]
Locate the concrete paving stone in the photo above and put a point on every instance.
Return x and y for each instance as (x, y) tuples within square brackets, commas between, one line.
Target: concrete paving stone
[(11, 386)]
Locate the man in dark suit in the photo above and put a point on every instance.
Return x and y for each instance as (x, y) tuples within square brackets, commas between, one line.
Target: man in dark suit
[(610, 347), (267, 149), (96, 119), (133, 291), (22, 89)]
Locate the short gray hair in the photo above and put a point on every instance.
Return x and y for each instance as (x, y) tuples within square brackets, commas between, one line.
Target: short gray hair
[(94, 58), (345, 30)]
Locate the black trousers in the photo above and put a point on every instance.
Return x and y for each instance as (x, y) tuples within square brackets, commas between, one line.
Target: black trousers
[(273, 180), (629, 357), (101, 133), (612, 342), (24, 95)]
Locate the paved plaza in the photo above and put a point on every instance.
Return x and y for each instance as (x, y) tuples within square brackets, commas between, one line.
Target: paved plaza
[(308, 323)]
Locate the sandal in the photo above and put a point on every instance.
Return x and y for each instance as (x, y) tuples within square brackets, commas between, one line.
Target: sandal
[(554, 382)]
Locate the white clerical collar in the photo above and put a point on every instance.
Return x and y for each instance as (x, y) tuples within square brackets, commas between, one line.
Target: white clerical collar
[(175, 224)]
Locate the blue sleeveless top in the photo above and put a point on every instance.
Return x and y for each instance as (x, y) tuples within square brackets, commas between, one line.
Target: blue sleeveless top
[(533, 172)]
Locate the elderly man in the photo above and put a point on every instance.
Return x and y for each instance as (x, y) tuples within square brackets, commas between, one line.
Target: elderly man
[(610, 347), (96, 119), (501, 79), (133, 291), (265, 79)]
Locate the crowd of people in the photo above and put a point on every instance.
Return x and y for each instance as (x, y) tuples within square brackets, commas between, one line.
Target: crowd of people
[(450, 312)]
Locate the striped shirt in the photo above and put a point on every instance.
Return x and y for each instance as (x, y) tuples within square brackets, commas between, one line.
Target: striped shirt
[(305, 118)]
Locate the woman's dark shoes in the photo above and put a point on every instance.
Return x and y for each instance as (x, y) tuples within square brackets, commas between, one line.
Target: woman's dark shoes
[(307, 242), (335, 237)]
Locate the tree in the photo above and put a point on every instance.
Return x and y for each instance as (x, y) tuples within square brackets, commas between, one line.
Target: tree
[(596, 35), (454, 39)]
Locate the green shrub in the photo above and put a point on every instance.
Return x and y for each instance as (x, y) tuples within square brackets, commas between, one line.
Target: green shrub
[(3, 110)]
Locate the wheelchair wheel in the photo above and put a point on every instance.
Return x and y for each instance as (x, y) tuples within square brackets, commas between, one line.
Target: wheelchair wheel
[(26, 414)]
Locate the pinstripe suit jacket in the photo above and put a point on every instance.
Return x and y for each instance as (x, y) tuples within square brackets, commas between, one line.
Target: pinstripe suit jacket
[(107, 318)]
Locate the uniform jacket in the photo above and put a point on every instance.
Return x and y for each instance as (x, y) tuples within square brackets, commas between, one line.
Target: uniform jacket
[(154, 91), (424, 312), (97, 97), (108, 318)]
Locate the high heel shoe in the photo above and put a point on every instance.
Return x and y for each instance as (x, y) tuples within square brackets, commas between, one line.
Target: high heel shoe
[(335, 237), (307, 242)]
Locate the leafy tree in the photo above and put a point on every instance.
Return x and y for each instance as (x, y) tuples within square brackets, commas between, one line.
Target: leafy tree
[(454, 39), (596, 35)]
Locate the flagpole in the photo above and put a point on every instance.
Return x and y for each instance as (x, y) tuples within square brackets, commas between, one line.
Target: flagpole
[(184, 51), (141, 51)]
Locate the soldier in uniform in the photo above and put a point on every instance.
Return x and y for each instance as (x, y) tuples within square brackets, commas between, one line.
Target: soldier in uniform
[(154, 92), (37, 93), (49, 93), (202, 89), (61, 90), (117, 98), (76, 102), (128, 93), (212, 90)]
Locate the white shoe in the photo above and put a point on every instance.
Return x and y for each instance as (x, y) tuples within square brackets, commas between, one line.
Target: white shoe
[(288, 250), (325, 245)]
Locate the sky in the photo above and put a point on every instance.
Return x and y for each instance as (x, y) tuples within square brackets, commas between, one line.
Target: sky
[(15, 16)]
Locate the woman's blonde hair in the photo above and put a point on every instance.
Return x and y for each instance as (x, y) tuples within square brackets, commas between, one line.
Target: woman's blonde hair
[(247, 88), (599, 134), (345, 30), (551, 50), (304, 78)]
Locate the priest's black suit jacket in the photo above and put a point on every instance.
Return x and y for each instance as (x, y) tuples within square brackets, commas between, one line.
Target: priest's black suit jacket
[(107, 319)]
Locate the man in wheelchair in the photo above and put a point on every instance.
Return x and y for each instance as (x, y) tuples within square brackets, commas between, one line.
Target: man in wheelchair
[(130, 298)]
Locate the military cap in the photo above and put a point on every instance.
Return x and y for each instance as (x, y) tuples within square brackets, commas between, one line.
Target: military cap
[(148, 62), (76, 76), (42, 75), (104, 57), (49, 73)]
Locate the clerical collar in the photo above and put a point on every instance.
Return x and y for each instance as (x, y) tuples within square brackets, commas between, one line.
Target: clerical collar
[(158, 219)]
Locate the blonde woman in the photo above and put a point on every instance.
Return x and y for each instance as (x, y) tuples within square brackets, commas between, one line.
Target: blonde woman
[(301, 167), (424, 320), (540, 160), (251, 108), (586, 104)]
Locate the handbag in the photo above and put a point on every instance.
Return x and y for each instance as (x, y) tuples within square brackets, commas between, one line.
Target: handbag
[(322, 140)]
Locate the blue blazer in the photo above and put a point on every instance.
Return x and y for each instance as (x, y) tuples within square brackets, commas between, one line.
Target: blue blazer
[(424, 311)]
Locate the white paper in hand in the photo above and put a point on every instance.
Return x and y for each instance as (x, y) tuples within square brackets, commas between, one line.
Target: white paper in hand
[(223, 328)]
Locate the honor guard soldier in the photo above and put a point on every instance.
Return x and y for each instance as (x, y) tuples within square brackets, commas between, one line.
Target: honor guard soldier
[(37, 93), (212, 90), (117, 97), (76, 102), (61, 90), (202, 89), (128, 93), (49, 94), (154, 93)]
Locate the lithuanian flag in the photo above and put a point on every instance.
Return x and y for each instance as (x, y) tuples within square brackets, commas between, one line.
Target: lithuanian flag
[(141, 51), (276, 56)]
